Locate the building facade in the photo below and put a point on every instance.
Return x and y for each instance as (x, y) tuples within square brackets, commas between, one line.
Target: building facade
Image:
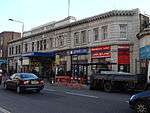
[(67, 45), (5, 37), (144, 38)]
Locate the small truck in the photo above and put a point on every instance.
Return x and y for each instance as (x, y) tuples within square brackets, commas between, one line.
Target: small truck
[(108, 80)]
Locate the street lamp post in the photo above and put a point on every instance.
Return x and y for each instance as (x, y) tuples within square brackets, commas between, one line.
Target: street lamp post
[(22, 30)]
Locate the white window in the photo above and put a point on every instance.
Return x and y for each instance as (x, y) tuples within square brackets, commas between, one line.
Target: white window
[(50, 42), (33, 46), (44, 44), (26, 47), (123, 30), (104, 32), (96, 34), (83, 37), (41, 44), (38, 45), (60, 40), (76, 38)]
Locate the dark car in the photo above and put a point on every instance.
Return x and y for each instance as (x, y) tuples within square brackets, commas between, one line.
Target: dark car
[(140, 102), (24, 81)]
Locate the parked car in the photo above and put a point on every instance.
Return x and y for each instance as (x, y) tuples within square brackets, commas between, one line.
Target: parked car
[(24, 81), (140, 102)]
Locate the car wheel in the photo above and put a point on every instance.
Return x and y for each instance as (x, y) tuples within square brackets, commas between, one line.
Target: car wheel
[(141, 107), (38, 90), (93, 85), (18, 89), (107, 87)]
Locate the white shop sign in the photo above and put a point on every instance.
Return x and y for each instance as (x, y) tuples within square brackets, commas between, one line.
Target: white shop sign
[(25, 62)]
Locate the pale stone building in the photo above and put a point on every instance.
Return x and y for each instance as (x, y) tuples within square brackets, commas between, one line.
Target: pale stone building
[(70, 44)]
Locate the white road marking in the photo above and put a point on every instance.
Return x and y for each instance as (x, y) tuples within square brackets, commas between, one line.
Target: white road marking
[(4, 110), (83, 95), (49, 89)]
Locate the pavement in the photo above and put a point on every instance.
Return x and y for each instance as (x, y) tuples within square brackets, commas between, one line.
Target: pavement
[(67, 86)]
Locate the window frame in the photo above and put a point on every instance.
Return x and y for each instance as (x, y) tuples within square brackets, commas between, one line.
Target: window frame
[(83, 37), (104, 32), (123, 32), (76, 37), (96, 36)]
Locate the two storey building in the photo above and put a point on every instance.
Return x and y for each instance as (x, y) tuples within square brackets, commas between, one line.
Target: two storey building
[(65, 45)]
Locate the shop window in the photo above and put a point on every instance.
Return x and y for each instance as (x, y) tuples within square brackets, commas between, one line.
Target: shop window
[(123, 30), (83, 36), (32, 46), (76, 38), (96, 34), (104, 32), (45, 44)]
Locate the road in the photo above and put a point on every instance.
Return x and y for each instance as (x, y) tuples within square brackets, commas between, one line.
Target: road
[(63, 100)]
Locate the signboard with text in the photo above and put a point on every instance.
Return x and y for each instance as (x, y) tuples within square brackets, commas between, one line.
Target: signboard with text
[(101, 55), (101, 48)]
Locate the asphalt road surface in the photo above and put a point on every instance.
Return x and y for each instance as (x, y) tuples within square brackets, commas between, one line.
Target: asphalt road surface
[(63, 100)]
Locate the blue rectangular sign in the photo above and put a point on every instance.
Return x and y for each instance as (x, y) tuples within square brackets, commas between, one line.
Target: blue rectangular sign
[(145, 52)]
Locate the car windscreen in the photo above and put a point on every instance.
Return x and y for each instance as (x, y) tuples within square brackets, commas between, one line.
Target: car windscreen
[(28, 75)]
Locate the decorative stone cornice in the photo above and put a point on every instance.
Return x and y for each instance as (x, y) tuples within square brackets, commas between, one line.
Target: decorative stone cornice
[(87, 20)]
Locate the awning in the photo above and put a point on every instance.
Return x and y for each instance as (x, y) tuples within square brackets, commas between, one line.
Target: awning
[(95, 63), (39, 54), (3, 62)]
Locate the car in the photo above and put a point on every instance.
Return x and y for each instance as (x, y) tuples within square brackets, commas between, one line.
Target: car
[(140, 102), (23, 82)]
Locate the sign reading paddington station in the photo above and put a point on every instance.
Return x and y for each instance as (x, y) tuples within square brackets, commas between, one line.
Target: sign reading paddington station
[(101, 52)]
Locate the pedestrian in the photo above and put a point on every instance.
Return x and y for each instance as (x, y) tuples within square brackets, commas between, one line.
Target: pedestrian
[(4, 76), (0, 76)]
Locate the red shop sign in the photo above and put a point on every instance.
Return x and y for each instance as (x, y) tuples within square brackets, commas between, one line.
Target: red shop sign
[(101, 48), (101, 55)]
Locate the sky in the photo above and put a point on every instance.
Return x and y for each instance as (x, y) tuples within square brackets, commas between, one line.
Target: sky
[(37, 12)]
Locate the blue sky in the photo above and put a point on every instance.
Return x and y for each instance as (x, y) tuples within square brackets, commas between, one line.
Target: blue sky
[(36, 12)]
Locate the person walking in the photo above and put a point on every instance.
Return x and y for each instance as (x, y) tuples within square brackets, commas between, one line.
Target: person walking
[(0, 76), (4, 76)]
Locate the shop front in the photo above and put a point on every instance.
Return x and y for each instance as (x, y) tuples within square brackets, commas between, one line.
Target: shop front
[(39, 63), (78, 57), (144, 58), (61, 62), (124, 58), (117, 56), (100, 54)]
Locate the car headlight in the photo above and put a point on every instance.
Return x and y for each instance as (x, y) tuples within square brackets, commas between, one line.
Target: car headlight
[(133, 96)]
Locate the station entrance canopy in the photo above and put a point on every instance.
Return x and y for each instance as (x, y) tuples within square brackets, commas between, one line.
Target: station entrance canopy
[(39, 54)]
